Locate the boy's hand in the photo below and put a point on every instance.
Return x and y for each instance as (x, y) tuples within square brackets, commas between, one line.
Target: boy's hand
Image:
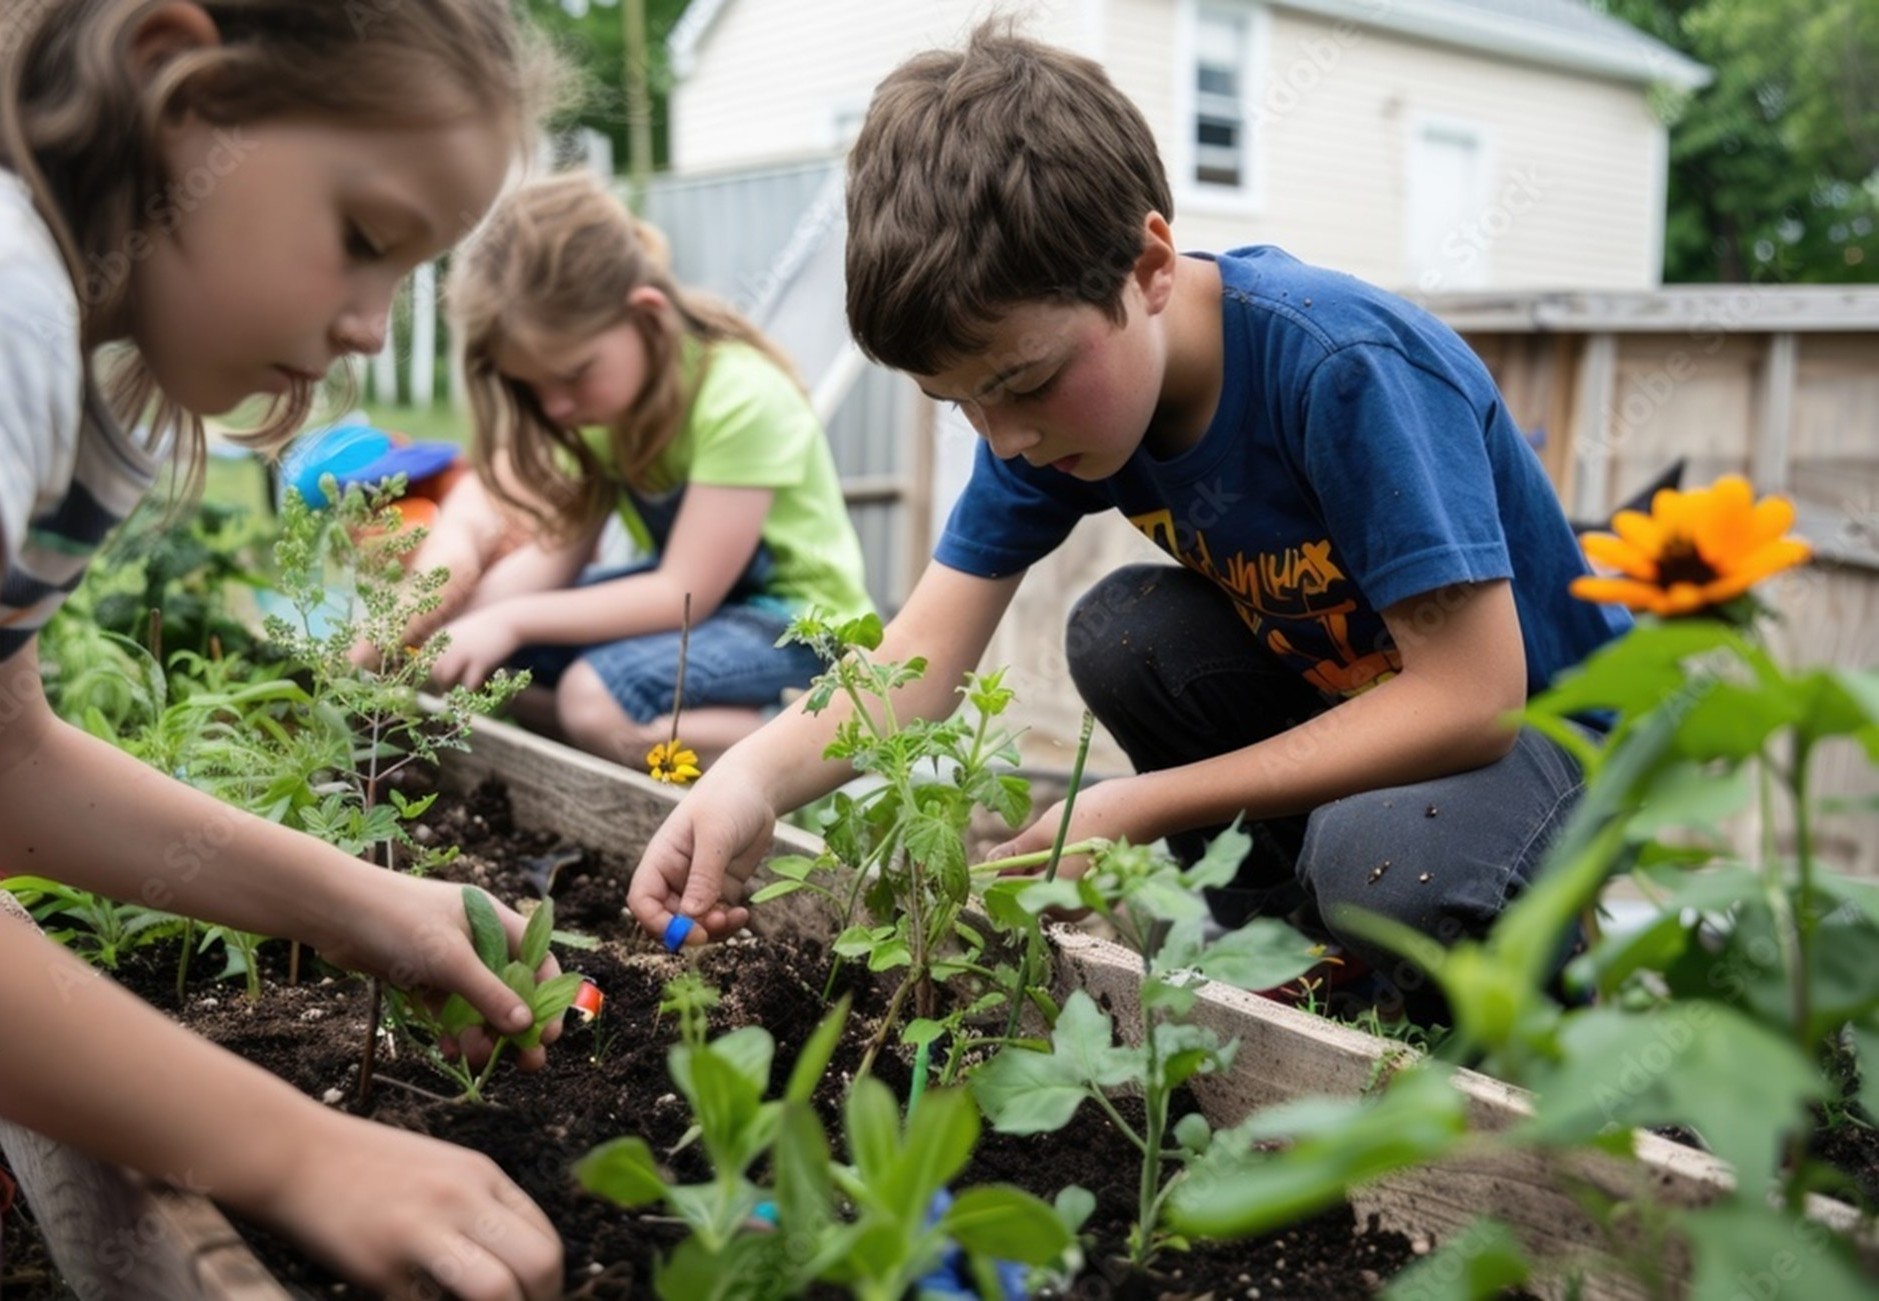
[(480, 643), (404, 1214), (698, 862), (415, 934), (1106, 809)]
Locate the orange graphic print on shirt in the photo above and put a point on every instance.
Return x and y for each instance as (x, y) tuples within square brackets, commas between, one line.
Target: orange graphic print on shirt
[(1298, 601)]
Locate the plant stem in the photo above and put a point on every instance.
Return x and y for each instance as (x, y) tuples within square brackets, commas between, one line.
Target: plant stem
[(1804, 908), (879, 1041), (1028, 970), (678, 688)]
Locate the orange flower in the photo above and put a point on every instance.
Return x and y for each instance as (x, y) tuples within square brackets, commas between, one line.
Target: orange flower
[(670, 761), (1694, 551)]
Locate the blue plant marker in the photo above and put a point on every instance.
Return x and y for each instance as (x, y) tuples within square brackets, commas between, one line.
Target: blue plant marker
[(675, 932)]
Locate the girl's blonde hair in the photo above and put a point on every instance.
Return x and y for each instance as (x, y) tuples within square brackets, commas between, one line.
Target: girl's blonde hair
[(84, 134), (556, 261)]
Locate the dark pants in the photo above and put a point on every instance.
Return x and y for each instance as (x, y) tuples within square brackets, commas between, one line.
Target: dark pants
[(1166, 664)]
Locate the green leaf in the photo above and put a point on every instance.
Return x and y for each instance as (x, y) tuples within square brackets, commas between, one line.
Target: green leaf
[(938, 1143), (1482, 1263), (486, 932), (1221, 863), (864, 632), (1026, 1092), (623, 1171), (922, 1030), (1745, 1250), (1638, 671), (1684, 1065), (1036, 896), (812, 1063), (872, 1122), (1009, 797), (776, 890), (725, 1104), (1690, 795), (805, 1191), (1262, 954), (934, 841), (749, 1050), (535, 936), (1733, 722), (750, 1267), (1231, 1192), (555, 997), (520, 979), (1084, 1040), (1074, 1206), (1193, 1132), (1007, 1224)]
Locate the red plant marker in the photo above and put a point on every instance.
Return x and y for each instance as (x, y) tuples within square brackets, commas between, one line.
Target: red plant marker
[(588, 1001)]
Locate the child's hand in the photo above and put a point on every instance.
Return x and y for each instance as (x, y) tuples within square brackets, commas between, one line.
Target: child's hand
[(415, 934), (393, 1210), (698, 862), (1102, 811), (480, 643)]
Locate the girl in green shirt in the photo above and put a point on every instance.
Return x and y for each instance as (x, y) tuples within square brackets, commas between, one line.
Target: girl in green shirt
[(599, 385)]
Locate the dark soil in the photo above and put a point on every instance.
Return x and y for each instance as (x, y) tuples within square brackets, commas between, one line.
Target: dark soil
[(609, 1079)]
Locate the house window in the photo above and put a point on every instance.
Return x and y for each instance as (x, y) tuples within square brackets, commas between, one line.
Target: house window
[(1222, 40), (1215, 161)]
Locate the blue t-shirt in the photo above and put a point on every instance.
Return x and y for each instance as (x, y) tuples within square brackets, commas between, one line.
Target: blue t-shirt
[(1360, 455)]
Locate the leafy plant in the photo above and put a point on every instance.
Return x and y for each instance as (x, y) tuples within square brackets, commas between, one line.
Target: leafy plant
[(102, 931), (546, 999), (1769, 963), (899, 849), (876, 1225), (1156, 908), (357, 542)]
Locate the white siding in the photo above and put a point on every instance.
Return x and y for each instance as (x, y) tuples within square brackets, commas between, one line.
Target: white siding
[(773, 76), (1574, 189)]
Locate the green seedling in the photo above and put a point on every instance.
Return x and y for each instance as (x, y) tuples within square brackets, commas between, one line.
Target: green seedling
[(545, 999)]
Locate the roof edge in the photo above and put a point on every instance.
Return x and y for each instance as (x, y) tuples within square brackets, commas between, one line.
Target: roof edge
[(1473, 28), (689, 32)]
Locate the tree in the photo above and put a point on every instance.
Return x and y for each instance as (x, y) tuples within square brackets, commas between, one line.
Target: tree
[(592, 34), (1774, 167)]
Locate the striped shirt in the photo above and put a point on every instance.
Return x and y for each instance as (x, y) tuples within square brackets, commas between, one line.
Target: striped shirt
[(68, 472)]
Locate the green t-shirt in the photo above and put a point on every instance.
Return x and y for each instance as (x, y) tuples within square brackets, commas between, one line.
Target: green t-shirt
[(750, 426)]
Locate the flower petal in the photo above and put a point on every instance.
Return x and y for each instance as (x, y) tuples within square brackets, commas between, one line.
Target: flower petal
[(1640, 530), (1617, 591), (1616, 553), (1771, 517)]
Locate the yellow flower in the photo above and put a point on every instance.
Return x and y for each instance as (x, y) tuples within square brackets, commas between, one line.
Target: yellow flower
[(670, 761), (1694, 551)]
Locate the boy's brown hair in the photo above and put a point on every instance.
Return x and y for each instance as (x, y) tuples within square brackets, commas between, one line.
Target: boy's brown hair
[(1007, 172)]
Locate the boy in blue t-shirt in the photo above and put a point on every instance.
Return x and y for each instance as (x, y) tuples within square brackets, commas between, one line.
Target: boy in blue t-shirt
[(1372, 571)]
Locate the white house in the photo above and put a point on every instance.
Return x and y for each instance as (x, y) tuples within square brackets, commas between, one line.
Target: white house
[(1424, 145), (1419, 144)]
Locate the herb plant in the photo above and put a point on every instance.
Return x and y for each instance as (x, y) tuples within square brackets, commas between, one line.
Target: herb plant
[(1156, 909)]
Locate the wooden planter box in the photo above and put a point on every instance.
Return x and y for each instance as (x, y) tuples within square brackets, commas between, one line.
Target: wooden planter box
[(116, 1235)]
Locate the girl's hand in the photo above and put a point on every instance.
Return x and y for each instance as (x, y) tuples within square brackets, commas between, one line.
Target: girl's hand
[(414, 933), (480, 643), (404, 1214), (698, 862)]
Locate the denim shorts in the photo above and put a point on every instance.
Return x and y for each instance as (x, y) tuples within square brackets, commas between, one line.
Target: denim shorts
[(732, 659)]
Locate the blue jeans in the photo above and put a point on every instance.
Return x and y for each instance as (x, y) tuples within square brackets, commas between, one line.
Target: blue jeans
[(732, 659), (1169, 668)]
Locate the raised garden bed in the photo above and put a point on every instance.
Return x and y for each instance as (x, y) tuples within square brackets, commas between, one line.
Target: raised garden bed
[(116, 1236)]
